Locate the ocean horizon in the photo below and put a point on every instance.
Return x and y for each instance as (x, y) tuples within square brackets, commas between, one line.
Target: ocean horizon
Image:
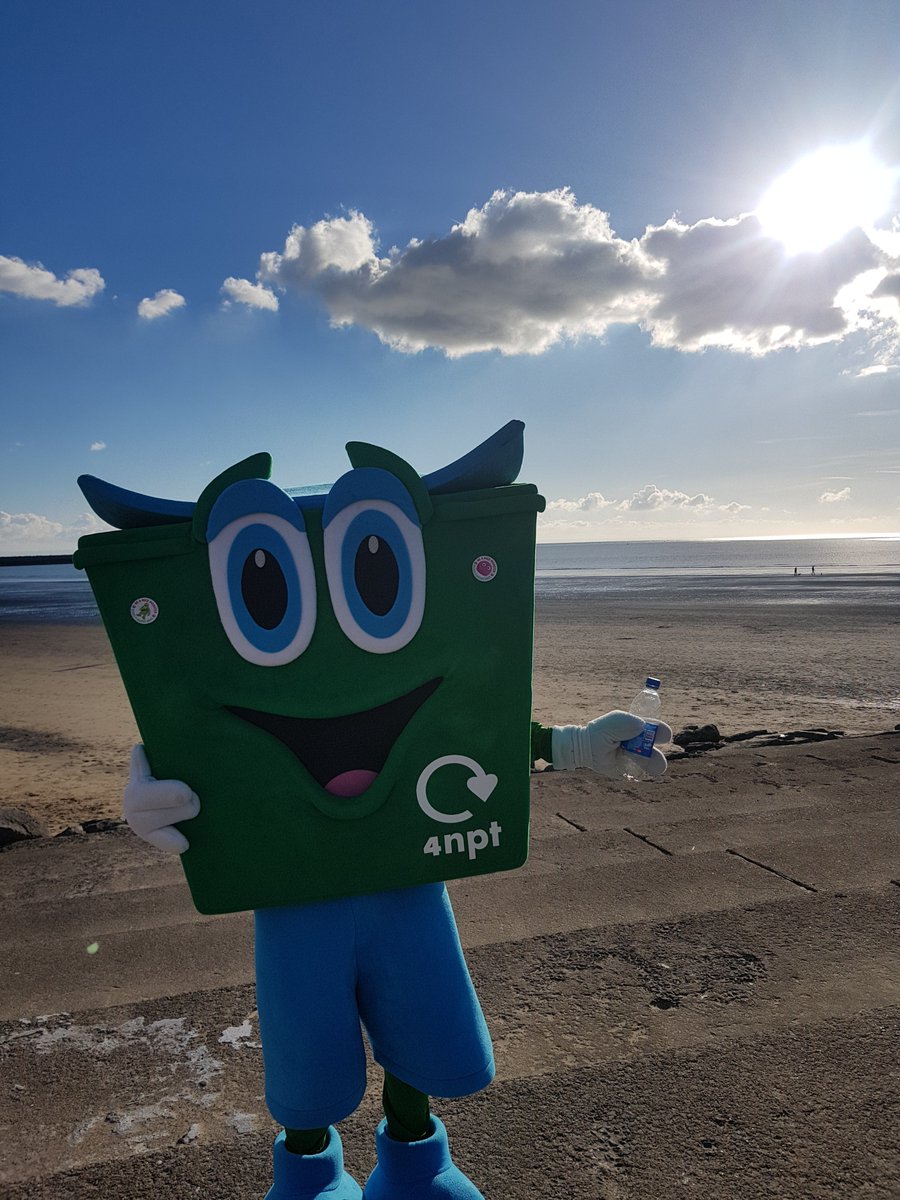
[(828, 570)]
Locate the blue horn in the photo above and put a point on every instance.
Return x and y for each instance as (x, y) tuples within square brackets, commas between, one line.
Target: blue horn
[(495, 463)]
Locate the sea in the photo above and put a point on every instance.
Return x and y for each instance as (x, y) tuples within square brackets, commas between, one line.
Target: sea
[(805, 571), (828, 571)]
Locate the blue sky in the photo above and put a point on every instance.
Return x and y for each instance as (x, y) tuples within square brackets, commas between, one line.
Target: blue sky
[(229, 227)]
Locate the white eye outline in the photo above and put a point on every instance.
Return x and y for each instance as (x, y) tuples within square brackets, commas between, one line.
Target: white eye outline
[(301, 589), (411, 534)]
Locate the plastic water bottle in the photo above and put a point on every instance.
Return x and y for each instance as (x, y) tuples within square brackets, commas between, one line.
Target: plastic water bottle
[(645, 705)]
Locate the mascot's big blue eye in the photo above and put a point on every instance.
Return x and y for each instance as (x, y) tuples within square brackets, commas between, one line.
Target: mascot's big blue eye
[(265, 588), (375, 562)]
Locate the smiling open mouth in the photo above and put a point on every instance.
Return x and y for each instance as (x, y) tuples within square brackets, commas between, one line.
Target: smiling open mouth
[(345, 755)]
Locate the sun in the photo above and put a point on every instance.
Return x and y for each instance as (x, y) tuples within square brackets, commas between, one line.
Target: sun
[(825, 195)]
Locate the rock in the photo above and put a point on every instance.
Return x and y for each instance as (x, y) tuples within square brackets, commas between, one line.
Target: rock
[(16, 825), (709, 733), (684, 736), (697, 733), (816, 735), (101, 824), (92, 825), (695, 739), (801, 737), (700, 747)]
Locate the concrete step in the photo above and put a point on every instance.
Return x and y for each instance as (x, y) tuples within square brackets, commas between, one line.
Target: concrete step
[(693, 990)]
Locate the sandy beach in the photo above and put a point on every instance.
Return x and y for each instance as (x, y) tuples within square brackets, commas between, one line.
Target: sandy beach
[(741, 665), (704, 971), (66, 730)]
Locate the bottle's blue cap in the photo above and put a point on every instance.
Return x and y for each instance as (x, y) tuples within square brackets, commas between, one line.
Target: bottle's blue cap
[(651, 682)]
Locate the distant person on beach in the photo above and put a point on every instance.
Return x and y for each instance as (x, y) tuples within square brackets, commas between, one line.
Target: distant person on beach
[(795, 570), (813, 570)]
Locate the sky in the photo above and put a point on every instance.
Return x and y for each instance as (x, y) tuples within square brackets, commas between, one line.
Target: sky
[(229, 227)]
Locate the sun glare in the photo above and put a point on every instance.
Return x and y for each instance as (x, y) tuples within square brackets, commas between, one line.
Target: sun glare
[(824, 196)]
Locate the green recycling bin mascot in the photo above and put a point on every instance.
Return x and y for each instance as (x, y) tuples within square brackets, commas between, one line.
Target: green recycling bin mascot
[(333, 687)]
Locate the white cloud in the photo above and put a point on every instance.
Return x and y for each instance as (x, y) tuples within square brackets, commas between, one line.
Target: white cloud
[(889, 286), (17, 527), (530, 269), (336, 244), (835, 497), (518, 275), (160, 305), (37, 283), (98, 445), (34, 533), (651, 497), (253, 295), (568, 526), (726, 284), (648, 499), (875, 369), (588, 503)]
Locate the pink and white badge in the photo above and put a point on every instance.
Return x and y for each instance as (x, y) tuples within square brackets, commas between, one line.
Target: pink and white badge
[(484, 568)]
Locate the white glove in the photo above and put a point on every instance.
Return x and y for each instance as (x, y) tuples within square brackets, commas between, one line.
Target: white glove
[(598, 747), (153, 806)]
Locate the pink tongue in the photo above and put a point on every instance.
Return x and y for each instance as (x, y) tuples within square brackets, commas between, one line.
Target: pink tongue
[(351, 783)]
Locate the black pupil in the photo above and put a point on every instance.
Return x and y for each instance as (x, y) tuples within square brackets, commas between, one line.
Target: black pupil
[(377, 575), (264, 589)]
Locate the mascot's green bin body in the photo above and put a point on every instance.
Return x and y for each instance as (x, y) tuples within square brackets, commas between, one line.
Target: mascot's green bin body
[(342, 675)]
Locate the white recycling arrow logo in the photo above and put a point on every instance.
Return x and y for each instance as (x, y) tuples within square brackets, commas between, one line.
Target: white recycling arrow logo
[(481, 785)]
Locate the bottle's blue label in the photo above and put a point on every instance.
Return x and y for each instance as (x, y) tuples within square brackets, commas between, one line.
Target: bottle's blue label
[(643, 743)]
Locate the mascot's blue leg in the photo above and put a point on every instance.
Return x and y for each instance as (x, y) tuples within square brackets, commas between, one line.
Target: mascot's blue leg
[(421, 1170), (311, 1176)]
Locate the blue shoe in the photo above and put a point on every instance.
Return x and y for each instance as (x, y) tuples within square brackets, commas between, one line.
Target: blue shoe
[(417, 1170), (311, 1176)]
